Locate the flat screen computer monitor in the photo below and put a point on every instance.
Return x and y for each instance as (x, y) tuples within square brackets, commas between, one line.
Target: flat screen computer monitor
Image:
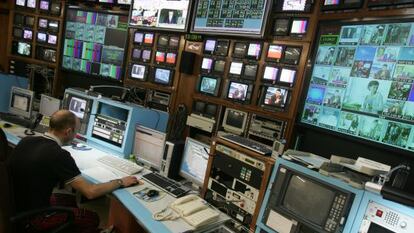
[(80, 104), (194, 162), (234, 121), (48, 105), (21, 101), (149, 146), (77, 106)]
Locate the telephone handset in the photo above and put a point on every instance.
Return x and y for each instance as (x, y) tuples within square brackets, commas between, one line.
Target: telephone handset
[(194, 210)]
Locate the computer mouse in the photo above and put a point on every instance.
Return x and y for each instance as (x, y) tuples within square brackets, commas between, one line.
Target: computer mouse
[(152, 193), (7, 125), (80, 145)]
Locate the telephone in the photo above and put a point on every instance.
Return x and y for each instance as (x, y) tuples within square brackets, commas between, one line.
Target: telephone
[(194, 210)]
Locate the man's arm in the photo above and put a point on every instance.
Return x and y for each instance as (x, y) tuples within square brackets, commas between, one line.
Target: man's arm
[(92, 191)]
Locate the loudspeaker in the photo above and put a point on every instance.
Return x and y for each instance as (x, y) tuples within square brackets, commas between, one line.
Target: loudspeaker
[(187, 62)]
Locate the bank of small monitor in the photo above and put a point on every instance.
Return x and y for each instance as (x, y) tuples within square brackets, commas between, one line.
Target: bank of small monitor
[(293, 27), (205, 109), (236, 20), (283, 54), (21, 101), (218, 47), (234, 121), (48, 105), (194, 161), (160, 14), (21, 48)]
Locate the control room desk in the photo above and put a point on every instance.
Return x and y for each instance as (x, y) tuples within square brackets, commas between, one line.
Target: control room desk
[(127, 213)]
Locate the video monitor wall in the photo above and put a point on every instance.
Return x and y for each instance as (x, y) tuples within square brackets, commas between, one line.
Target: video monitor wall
[(362, 82), (95, 43), (243, 18), (160, 14)]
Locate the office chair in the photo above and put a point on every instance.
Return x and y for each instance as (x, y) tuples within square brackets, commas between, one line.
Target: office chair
[(10, 222)]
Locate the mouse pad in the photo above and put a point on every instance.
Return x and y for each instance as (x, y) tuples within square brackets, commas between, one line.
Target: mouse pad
[(142, 194)]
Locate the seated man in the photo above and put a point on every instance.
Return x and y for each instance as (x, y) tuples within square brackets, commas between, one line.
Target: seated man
[(37, 164)]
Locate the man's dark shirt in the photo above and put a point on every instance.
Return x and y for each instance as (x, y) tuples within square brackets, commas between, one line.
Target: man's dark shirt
[(36, 165)]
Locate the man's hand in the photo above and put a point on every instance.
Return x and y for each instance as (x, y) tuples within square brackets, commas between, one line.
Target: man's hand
[(130, 180)]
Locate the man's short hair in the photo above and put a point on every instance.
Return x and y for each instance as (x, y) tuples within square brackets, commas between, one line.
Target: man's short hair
[(61, 120), (373, 83)]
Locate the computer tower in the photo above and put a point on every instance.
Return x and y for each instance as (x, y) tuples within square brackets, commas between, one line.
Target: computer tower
[(170, 164)]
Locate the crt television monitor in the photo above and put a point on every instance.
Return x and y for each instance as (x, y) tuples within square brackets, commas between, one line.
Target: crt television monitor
[(94, 43), (234, 121), (293, 5), (160, 14), (274, 97), (364, 92), (290, 198), (163, 76), (239, 91), (21, 101), (139, 72), (240, 49), (209, 85), (206, 65), (81, 105), (194, 161), (237, 21)]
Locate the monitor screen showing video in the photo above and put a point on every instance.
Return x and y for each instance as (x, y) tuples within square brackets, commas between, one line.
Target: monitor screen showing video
[(287, 76), (94, 42), (236, 68), (174, 41), (206, 64), (171, 58), (22, 48), (292, 55), (270, 73), (44, 5), (209, 46), (222, 48), (162, 76), (31, 4), (250, 71), (43, 23), (274, 52), (21, 3), (138, 71), (209, 85), (237, 91), (136, 53), (240, 49), (148, 39), (281, 27), (299, 26), (162, 41), (17, 32), (160, 14), (254, 50), (77, 106), (362, 82), (294, 5), (160, 56), (41, 37), (52, 39), (219, 66), (146, 55), (275, 96), (138, 37)]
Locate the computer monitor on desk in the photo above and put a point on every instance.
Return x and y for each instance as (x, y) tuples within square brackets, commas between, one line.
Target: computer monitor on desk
[(78, 102), (21, 101), (149, 146), (112, 125), (234, 121), (194, 162)]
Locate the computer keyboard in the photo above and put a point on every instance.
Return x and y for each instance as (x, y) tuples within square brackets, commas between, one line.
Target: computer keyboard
[(170, 186), (120, 164), (15, 119), (248, 143)]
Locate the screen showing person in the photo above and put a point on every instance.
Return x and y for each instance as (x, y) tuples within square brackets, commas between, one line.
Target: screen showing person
[(146, 55), (27, 34), (171, 58), (194, 162), (31, 4), (209, 85), (170, 16), (274, 52), (162, 76), (281, 27), (250, 71), (136, 53), (254, 50), (236, 68), (270, 73), (49, 55), (240, 49), (299, 26), (292, 55), (41, 37), (44, 5), (287, 76), (160, 56), (206, 64), (148, 38), (209, 46), (163, 40), (222, 48), (24, 49), (77, 106), (294, 5), (138, 37), (219, 66), (138, 71), (43, 23), (174, 41), (316, 94), (20, 2), (52, 39), (275, 96), (17, 32), (238, 91)]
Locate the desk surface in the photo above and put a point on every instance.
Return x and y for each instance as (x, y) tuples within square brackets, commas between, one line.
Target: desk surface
[(97, 172)]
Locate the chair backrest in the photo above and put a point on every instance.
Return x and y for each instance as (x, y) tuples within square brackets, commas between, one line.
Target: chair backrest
[(6, 199)]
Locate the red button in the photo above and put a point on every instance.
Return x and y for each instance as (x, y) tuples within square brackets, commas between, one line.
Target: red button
[(379, 213)]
